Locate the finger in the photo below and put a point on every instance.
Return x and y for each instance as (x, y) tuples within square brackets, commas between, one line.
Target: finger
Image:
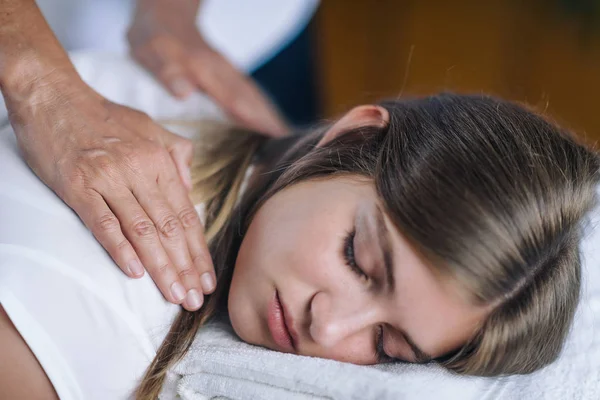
[(239, 96), (172, 236), (256, 110), (194, 231), (105, 227), (141, 232), (173, 77), (164, 61), (181, 151)]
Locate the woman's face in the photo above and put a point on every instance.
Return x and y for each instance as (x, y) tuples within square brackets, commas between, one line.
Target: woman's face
[(306, 247), (297, 245)]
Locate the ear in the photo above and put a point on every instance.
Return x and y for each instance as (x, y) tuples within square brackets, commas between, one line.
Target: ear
[(358, 117)]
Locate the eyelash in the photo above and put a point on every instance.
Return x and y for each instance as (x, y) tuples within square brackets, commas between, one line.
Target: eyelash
[(350, 259)]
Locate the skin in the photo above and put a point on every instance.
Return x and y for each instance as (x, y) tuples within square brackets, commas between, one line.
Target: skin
[(125, 176), (18, 365), (165, 40), (294, 245)]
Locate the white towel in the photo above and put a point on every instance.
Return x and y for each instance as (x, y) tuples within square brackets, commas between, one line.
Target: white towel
[(219, 365)]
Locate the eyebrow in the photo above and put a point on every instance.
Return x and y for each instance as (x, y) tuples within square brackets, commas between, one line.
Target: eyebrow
[(388, 261)]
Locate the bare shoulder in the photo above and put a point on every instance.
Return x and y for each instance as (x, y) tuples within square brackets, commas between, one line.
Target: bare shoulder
[(21, 375)]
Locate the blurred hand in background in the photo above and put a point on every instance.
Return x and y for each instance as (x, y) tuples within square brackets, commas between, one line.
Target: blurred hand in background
[(165, 40)]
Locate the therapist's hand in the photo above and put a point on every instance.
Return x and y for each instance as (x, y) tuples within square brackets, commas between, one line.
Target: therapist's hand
[(164, 39), (122, 174)]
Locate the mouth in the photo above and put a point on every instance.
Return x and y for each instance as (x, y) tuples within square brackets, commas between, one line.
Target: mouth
[(279, 327)]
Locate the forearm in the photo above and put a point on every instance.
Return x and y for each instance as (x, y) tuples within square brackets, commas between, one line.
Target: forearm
[(29, 51)]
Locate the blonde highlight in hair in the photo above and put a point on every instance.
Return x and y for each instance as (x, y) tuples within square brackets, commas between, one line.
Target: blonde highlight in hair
[(493, 196), (223, 154)]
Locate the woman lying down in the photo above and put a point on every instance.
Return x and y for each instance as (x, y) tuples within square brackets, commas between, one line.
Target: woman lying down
[(444, 229)]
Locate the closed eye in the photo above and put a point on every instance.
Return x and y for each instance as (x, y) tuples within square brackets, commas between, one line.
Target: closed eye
[(350, 258)]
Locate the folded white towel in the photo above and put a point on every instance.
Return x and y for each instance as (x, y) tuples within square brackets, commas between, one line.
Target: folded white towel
[(220, 365)]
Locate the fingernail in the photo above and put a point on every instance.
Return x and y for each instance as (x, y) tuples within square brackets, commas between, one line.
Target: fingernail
[(207, 282), (181, 87), (178, 291), (135, 268), (193, 299)]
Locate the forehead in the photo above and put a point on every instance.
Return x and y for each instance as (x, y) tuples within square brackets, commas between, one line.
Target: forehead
[(429, 307)]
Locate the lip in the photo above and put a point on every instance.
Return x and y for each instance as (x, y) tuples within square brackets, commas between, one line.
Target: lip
[(278, 326), (289, 323)]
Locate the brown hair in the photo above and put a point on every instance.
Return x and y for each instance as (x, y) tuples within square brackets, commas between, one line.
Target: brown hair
[(491, 194)]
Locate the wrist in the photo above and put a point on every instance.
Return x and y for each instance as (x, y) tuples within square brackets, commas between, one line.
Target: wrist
[(29, 73)]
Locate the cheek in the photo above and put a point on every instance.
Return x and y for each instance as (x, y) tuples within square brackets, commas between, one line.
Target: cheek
[(355, 349), (443, 321), (295, 242)]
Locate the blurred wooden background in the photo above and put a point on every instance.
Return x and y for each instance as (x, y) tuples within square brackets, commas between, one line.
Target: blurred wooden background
[(546, 53)]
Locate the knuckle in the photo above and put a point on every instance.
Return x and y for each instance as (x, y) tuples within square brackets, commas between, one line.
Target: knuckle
[(201, 259), (123, 244), (186, 272), (169, 226), (106, 166), (132, 157), (144, 228), (163, 269), (75, 176), (107, 223), (189, 218)]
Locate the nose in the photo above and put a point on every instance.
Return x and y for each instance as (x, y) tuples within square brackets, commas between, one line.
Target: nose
[(332, 321)]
